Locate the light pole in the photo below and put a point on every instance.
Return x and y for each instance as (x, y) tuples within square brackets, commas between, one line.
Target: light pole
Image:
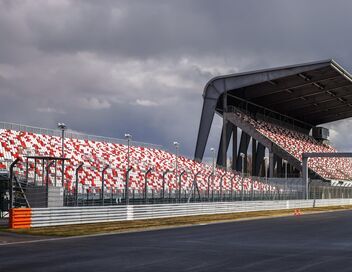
[(128, 138), (242, 155), (177, 146), (63, 127), (266, 160), (212, 173)]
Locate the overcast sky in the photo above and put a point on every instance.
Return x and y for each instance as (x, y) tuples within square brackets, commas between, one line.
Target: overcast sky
[(110, 67)]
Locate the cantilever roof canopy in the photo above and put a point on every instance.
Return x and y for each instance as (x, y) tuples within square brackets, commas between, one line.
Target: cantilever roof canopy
[(314, 93)]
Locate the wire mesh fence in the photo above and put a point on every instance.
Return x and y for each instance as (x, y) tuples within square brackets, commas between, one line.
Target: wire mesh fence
[(47, 191)]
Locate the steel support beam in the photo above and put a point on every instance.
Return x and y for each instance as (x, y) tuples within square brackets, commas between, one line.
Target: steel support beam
[(227, 129), (206, 120), (244, 143), (254, 155), (234, 147), (225, 137), (259, 158)]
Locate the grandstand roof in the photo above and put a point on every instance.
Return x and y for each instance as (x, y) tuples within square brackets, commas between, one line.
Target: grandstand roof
[(315, 93)]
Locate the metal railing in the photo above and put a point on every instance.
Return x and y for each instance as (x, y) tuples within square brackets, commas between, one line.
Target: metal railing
[(37, 191), (80, 215)]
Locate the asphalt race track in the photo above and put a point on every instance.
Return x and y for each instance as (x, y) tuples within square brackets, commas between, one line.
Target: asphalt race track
[(319, 242)]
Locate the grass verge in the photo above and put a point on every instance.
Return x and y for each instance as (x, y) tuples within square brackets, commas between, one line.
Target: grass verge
[(149, 224)]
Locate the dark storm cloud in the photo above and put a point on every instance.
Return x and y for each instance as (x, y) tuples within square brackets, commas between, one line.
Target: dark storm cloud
[(108, 67)]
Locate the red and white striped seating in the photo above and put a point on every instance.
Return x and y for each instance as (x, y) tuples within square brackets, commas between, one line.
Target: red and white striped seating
[(296, 143), (96, 154)]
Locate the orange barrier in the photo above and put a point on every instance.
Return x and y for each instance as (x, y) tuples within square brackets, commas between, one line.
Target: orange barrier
[(20, 218)]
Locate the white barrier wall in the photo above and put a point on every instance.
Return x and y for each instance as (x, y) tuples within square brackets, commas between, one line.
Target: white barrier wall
[(78, 215)]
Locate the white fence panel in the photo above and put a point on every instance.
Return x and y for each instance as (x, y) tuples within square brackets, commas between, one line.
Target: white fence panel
[(80, 215)]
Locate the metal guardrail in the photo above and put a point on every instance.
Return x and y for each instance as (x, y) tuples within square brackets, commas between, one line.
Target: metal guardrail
[(79, 215), (68, 134)]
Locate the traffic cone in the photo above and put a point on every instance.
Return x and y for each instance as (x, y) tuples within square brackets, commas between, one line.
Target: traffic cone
[(297, 212)]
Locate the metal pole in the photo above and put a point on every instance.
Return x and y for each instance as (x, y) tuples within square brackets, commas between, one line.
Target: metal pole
[(11, 181), (213, 155), (103, 183), (63, 155), (232, 186), (35, 172), (212, 187), (27, 169), (127, 174), (221, 179), (47, 182), (62, 126), (146, 185), (55, 171), (127, 186), (163, 189), (252, 189), (213, 171), (209, 185), (179, 185), (128, 137), (195, 185), (43, 170), (305, 175), (242, 179), (76, 195), (176, 144)]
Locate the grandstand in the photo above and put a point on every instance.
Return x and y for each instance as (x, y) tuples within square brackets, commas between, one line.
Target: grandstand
[(192, 179), (280, 111)]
